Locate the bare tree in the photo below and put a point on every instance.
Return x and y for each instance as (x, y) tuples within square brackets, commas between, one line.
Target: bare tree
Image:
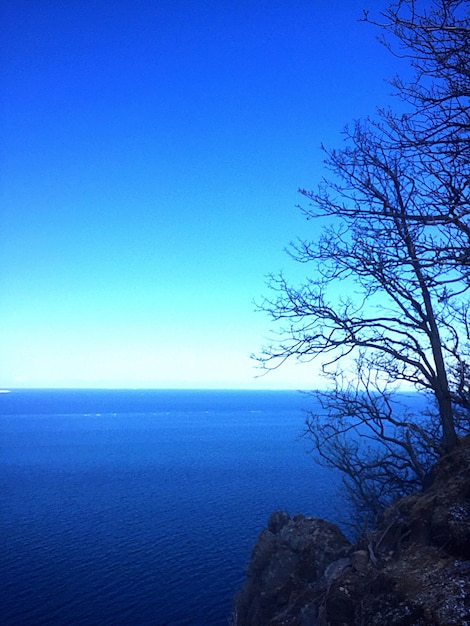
[(387, 300)]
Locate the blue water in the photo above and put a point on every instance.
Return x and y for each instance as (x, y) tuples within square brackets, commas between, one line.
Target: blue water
[(141, 507)]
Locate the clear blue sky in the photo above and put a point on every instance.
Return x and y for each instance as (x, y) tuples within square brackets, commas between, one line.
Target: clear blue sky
[(150, 156)]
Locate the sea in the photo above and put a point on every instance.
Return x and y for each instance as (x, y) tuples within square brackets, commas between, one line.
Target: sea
[(140, 507)]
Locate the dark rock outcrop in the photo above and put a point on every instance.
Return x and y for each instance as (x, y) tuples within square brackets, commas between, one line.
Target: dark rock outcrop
[(414, 569), (289, 555)]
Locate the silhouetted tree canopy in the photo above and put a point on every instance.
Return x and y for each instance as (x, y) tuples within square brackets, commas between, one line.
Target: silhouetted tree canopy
[(385, 302)]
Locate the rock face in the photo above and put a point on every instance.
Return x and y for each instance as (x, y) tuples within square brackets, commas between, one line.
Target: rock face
[(413, 570), (289, 555)]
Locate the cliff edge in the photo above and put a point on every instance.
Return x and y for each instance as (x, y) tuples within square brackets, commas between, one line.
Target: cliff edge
[(412, 570)]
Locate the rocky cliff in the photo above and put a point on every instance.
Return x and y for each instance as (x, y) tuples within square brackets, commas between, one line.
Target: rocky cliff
[(413, 569)]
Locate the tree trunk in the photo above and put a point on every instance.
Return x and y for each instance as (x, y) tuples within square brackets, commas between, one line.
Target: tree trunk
[(440, 381), (442, 393)]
